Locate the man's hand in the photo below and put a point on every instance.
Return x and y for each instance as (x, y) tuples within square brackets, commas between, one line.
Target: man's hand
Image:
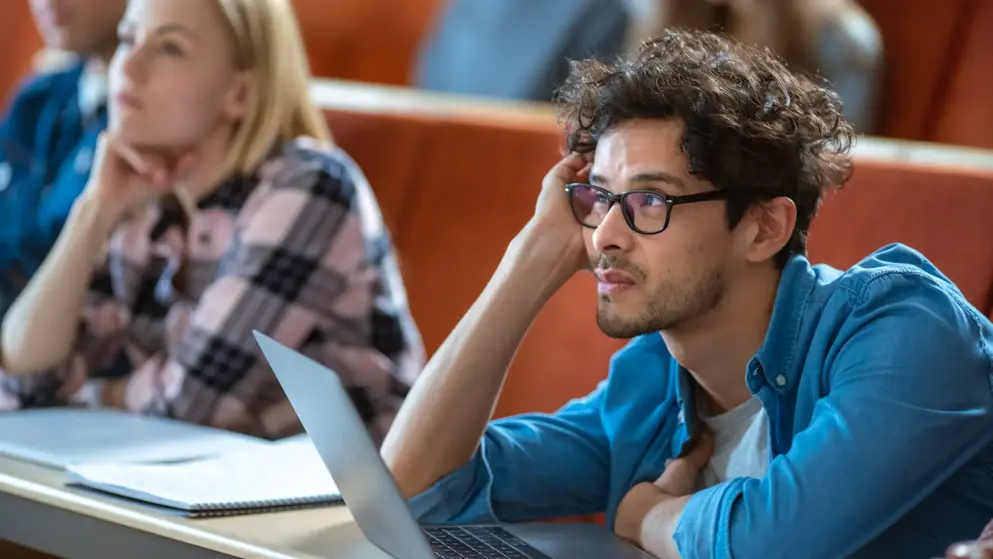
[(679, 477), (554, 230), (635, 505), (678, 480)]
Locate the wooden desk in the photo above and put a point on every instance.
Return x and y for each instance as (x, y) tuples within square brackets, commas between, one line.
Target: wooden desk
[(39, 512)]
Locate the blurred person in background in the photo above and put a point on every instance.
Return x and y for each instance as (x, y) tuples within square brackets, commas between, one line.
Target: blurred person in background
[(218, 205), (516, 49), (49, 130), (835, 39)]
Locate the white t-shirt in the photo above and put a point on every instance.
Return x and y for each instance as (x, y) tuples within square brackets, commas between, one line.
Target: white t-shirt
[(741, 443)]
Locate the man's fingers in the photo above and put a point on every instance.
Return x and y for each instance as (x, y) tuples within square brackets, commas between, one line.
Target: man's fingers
[(692, 463), (568, 170), (572, 162), (584, 173), (703, 447), (576, 158)]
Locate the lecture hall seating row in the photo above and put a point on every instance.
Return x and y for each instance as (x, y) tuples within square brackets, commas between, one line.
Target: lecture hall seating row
[(937, 54), (936, 83)]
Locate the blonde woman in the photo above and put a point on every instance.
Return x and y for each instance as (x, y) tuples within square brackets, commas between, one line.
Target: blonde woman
[(217, 205)]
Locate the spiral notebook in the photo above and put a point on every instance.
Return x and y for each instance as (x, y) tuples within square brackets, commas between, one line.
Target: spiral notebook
[(285, 475)]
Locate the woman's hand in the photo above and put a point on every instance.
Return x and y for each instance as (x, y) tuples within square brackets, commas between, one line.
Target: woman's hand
[(124, 177), (40, 328)]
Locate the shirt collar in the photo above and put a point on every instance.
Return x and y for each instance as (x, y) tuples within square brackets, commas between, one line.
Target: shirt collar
[(773, 364), (92, 89)]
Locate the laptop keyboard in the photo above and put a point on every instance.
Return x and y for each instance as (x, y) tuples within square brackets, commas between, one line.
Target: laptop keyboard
[(479, 542)]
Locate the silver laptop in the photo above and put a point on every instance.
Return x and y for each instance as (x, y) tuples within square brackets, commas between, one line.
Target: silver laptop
[(340, 437)]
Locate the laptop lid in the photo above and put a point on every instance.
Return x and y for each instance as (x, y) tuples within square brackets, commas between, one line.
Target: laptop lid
[(322, 403)]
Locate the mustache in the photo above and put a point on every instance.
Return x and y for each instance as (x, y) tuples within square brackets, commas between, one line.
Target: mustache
[(606, 261)]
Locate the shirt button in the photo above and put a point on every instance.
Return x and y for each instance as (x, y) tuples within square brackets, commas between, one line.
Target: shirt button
[(781, 380), (680, 417), (5, 175)]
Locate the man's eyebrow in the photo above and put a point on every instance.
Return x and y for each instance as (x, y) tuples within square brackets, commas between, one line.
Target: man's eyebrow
[(648, 177), (659, 176)]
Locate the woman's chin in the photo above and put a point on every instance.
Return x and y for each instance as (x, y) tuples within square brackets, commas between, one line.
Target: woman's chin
[(130, 130), (142, 138)]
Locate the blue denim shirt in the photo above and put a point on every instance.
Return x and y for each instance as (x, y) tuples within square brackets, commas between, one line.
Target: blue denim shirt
[(877, 384), (47, 143)]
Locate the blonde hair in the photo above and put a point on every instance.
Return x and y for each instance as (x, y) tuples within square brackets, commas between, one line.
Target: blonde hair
[(268, 44)]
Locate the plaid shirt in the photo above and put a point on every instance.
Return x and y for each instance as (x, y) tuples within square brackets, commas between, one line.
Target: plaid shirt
[(298, 251)]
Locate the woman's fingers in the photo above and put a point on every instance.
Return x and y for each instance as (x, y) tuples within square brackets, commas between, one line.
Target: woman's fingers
[(161, 173), (139, 163)]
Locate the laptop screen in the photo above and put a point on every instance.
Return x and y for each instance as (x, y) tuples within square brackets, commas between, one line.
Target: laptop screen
[(340, 437)]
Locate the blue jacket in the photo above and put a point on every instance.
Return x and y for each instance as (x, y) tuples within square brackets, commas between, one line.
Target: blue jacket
[(46, 149), (877, 384)]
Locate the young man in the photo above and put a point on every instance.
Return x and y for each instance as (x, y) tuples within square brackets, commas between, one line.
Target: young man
[(766, 407), (48, 134)]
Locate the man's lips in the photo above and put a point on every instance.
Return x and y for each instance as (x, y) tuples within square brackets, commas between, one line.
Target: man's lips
[(610, 281)]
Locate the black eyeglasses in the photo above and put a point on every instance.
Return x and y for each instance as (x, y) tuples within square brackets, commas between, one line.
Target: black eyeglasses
[(645, 211)]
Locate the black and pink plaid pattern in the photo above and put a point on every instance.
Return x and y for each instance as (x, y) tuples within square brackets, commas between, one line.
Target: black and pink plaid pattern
[(297, 251)]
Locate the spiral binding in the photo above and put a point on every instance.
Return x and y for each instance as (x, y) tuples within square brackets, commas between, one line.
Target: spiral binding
[(214, 510)]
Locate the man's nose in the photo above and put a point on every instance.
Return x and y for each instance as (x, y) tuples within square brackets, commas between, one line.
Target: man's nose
[(613, 233)]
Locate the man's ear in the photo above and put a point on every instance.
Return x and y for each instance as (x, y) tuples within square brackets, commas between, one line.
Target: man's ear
[(773, 222)]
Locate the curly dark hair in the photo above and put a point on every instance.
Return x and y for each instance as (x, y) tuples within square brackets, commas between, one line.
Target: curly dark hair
[(751, 125)]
